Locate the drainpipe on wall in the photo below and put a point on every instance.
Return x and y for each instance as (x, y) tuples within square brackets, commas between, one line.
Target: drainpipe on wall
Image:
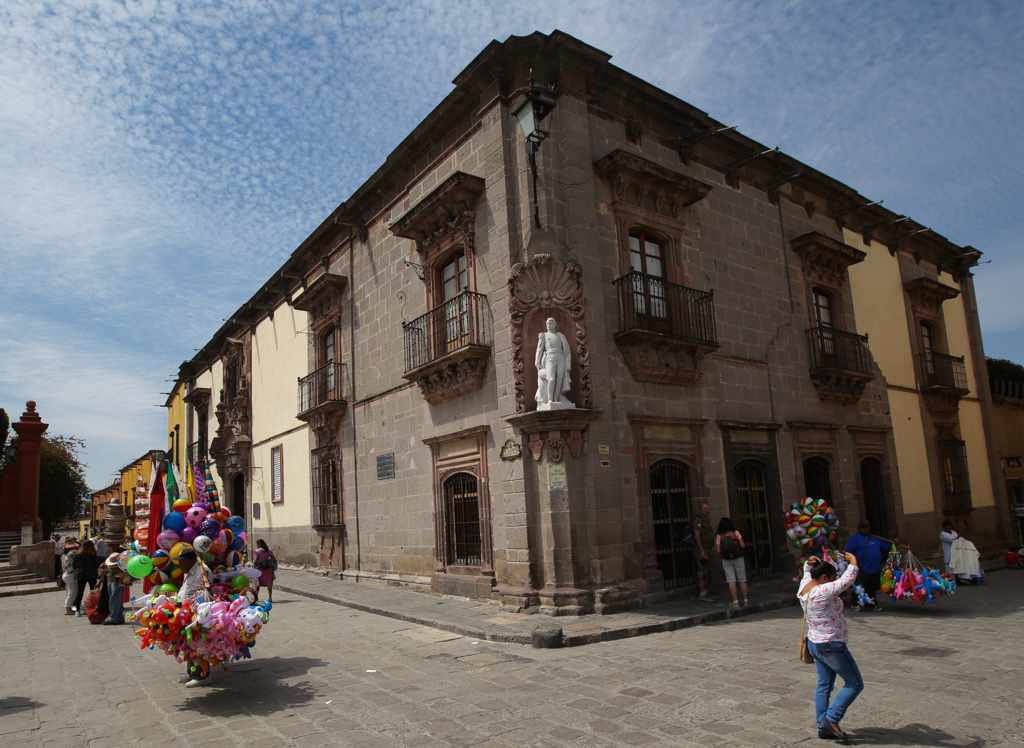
[(352, 359)]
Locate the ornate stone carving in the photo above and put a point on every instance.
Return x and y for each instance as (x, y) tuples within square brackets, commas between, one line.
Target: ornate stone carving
[(928, 295), (834, 385), (452, 376), (323, 297), (941, 401), (824, 259), (555, 429), (653, 357), (548, 284), (643, 184), (445, 215)]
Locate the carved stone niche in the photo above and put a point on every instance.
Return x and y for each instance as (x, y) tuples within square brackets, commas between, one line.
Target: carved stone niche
[(824, 259), (641, 184), (544, 288), (322, 298)]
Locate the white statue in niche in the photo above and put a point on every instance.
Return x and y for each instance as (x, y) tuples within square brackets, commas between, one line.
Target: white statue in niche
[(554, 359)]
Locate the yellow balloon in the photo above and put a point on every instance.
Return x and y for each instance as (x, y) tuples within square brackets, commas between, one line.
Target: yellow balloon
[(176, 550)]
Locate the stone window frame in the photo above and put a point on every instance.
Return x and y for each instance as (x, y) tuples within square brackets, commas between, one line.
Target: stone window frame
[(812, 439), (926, 297), (824, 266), (463, 451)]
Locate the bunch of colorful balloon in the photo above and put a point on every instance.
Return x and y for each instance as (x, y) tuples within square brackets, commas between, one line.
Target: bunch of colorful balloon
[(217, 536), (913, 581), (811, 523)]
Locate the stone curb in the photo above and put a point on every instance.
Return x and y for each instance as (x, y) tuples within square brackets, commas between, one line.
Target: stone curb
[(592, 637), (15, 593)]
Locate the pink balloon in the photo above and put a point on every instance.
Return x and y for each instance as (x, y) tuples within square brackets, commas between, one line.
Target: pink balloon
[(195, 516), (167, 539)]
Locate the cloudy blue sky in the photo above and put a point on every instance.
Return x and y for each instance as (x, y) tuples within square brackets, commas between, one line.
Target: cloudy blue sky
[(159, 160)]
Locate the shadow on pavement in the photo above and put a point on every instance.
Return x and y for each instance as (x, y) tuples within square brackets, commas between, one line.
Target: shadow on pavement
[(913, 734), (14, 704), (254, 687)]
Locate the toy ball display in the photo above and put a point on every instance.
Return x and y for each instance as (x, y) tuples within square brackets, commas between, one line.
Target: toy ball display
[(234, 558), (140, 566), (194, 517), (160, 559), (177, 549), (189, 534), (182, 505), (174, 522), (175, 573), (202, 544), (210, 528), (218, 545), (236, 524), (158, 578), (167, 540)]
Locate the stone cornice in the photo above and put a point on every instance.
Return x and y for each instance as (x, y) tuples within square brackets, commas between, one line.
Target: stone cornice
[(831, 248), (445, 204), (318, 290), (928, 290), (626, 173)]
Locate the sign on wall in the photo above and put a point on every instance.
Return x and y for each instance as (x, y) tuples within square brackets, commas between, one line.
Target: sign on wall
[(557, 479), (386, 466)]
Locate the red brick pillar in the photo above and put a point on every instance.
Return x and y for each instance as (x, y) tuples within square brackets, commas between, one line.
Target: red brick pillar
[(30, 434)]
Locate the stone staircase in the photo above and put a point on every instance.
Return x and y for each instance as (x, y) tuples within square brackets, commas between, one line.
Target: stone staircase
[(7, 541), (12, 576)]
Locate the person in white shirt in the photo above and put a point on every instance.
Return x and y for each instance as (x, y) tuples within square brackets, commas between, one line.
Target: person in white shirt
[(947, 536)]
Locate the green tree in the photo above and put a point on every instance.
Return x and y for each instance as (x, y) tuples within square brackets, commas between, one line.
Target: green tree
[(5, 430), (1000, 368), (62, 487)]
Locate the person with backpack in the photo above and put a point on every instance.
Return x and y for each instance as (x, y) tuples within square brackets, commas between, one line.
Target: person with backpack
[(730, 546), (266, 562)]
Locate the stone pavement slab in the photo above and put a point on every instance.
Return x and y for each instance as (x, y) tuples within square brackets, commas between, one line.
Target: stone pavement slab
[(486, 620), (950, 674)]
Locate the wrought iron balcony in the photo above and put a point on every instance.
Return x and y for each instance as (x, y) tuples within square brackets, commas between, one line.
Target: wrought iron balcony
[(647, 303), (941, 370), (324, 387), (837, 349), (446, 349), (841, 363), (664, 329)]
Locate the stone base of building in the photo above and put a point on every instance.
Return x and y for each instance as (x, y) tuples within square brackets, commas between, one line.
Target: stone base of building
[(469, 582), (570, 601), (299, 546)]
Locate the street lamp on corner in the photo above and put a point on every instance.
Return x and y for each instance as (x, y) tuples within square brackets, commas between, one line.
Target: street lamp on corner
[(232, 456), (530, 113)]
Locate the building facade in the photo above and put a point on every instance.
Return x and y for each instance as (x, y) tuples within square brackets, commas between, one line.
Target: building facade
[(743, 331), (98, 501), (1008, 400)]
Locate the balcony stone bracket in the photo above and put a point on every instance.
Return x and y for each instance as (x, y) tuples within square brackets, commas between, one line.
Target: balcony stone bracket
[(555, 429), (839, 385), (541, 288), (325, 419), (662, 359), (942, 401), (453, 375), (825, 260)]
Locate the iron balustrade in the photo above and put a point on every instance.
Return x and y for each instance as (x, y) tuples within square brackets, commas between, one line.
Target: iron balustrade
[(459, 322), (941, 370), (649, 303), (837, 349), (325, 385)]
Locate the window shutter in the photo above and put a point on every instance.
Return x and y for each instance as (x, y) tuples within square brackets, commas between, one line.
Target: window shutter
[(276, 469)]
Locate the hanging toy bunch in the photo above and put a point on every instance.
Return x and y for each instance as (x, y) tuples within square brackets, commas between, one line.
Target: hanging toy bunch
[(914, 582), (215, 631), (892, 566), (810, 524), (141, 533)]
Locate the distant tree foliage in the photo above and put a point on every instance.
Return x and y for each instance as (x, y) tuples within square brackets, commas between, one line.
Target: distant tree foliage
[(5, 430), (62, 487), (1000, 368)]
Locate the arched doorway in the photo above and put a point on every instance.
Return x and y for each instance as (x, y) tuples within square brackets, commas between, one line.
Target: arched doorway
[(818, 478), (752, 497), (670, 508), (874, 496), (238, 495), (462, 520)]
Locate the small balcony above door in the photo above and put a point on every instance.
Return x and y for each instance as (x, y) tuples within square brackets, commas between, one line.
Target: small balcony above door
[(323, 395), (944, 381), (446, 349), (664, 329), (841, 364)]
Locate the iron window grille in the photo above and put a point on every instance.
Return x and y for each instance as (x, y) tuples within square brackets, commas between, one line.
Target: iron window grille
[(752, 496), (325, 485), (670, 509), (818, 479), (956, 484), (462, 520)]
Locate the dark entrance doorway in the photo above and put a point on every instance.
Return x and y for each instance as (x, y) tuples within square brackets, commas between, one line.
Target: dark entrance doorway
[(752, 498), (874, 496), (818, 478), (238, 495), (670, 505), (462, 515)]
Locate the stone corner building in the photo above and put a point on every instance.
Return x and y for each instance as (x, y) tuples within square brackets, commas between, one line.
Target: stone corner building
[(745, 331)]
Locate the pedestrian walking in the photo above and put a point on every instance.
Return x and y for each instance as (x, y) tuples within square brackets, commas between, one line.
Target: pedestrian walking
[(703, 536), (69, 575), (868, 550), (86, 570), (730, 546), (266, 562), (827, 640)]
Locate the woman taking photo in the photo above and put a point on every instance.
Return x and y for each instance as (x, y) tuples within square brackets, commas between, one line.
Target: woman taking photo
[(827, 638)]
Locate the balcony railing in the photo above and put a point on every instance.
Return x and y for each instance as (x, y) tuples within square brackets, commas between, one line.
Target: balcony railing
[(647, 303), (837, 349), (323, 386), (460, 322), (194, 452), (941, 370)]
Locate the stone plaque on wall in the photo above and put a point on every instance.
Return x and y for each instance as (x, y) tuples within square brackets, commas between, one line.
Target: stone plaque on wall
[(748, 436), (386, 466), (668, 433), (557, 478)]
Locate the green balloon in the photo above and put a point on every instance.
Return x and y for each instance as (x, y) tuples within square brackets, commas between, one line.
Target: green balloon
[(140, 566), (167, 589), (240, 582)]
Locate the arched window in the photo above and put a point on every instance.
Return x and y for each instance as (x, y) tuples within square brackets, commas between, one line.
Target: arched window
[(874, 496), (818, 478), (646, 260), (752, 498), (462, 519), (670, 505)]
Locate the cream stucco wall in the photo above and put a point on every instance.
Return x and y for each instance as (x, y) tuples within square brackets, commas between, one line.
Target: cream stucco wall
[(973, 432), (955, 317), (877, 291), (294, 510), (911, 454)]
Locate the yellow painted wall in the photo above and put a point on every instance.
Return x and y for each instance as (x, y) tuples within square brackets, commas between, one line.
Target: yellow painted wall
[(129, 479), (973, 432), (176, 414), (956, 330), (877, 291), (279, 350), (911, 454)]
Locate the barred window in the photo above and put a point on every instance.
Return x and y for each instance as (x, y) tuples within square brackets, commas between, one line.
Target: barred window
[(277, 474), (462, 514)]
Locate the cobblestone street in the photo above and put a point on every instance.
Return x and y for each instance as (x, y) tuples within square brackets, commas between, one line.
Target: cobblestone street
[(949, 674)]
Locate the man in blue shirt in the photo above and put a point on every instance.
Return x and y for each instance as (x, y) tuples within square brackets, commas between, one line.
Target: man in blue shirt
[(868, 550)]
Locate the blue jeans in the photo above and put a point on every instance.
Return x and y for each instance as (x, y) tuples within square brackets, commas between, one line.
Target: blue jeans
[(116, 614), (832, 659)]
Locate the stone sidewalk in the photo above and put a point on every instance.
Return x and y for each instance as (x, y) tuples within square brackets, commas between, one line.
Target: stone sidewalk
[(487, 621)]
